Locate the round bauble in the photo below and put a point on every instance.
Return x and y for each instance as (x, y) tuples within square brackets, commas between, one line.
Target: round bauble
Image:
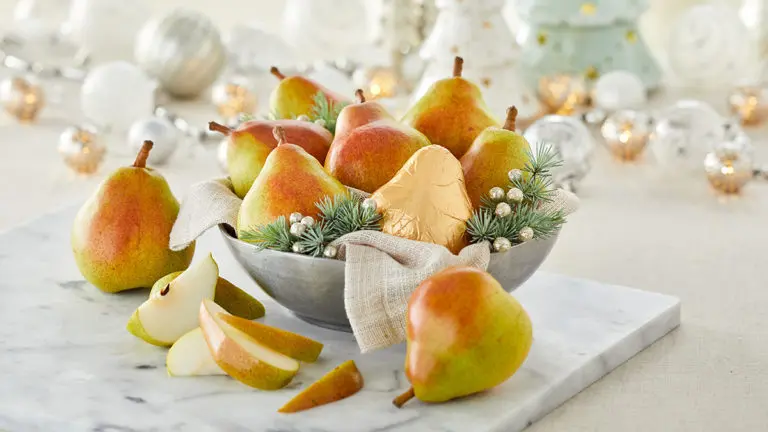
[(22, 98), (570, 139), (298, 229), (626, 133), (308, 221), (162, 133), (116, 95), (730, 166), (369, 204), (81, 149), (233, 96), (295, 218), (106, 29), (503, 210), (525, 234), (496, 193), (749, 104), (502, 244), (618, 90), (515, 195), (330, 251), (183, 50), (563, 94)]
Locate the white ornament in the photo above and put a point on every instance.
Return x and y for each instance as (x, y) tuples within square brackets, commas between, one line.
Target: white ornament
[(115, 95), (298, 229), (297, 248), (503, 209), (308, 221), (514, 174), (502, 244), (38, 20), (525, 234), (183, 50), (320, 122), (295, 218), (369, 204), (106, 29), (330, 251), (221, 154), (570, 139), (515, 195), (619, 90), (162, 133), (496, 193)]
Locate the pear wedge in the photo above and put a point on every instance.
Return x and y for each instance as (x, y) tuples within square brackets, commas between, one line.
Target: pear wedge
[(291, 344), (342, 382), (241, 356), (228, 295), (172, 310), (190, 356)]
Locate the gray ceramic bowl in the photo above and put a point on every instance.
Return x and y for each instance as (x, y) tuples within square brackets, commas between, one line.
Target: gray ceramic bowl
[(313, 288)]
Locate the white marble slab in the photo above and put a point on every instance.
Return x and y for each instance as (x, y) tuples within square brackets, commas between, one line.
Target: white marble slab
[(67, 363)]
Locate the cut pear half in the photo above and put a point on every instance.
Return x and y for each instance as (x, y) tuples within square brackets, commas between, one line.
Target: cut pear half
[(242, 357), (172, 310), (291, 344), (190, 356)]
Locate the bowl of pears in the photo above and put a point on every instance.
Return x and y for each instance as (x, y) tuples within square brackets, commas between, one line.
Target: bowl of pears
[(284, 167)]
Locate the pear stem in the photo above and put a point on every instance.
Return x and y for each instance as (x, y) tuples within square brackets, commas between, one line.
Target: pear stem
[(403, 398), (276, 72), (220, 128), (509, 123), (458, 66), (279, 134), (360, 95), (141, 158)]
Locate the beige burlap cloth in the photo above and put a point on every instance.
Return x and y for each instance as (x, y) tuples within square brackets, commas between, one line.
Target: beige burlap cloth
[(381, 271)]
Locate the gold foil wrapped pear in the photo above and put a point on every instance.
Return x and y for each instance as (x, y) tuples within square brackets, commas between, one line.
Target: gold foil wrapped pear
[(427, 200)]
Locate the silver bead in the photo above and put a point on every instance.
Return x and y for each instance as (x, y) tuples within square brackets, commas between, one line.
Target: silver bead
[(330, 251), (496, 193), (320, 122), (304, 118), (297, 248), (503, 209), (298, 229), (515, 195), (514, 174), (369, 204), (162, 133), (295, 217), (308, 221), (502, 244), (525, 234)]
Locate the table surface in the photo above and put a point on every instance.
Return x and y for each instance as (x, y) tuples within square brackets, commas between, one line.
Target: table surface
[(637, 226)]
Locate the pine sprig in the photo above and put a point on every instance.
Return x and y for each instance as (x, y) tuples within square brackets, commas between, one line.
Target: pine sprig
[(344, 214), (326, 110), (274, 235), (483, 226), (315, 238)]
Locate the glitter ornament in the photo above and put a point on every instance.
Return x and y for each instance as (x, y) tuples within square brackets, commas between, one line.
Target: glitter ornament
[(308, 221), (297, 248), (563, 94), (502, 244), (525, 234), (503, 210), (626, 133), (330, 251), (515, 195), (496, 193), (570, 139), (232, 97), (295, 218), (22, 98), (514, 174), (369, 204), (749, 104), (298, 229), (619, 90), (730, 166), (303, 117), (162, 133), (116, 95), (81, 149)]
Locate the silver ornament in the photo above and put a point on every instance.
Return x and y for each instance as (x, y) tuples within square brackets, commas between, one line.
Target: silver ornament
[(496, 193), (570, 139), (369, 204), (525, 234), (503, 209), (731, 165), (515, 195), (749, 104), (221, 154), (304, 118), (320, 122), (626, 133), (298, 229), (514, 174), (183, 50), (295, 217), (162, 133), (330, 251), (297, 248), (308, 221), (502, 244), (82, 149)]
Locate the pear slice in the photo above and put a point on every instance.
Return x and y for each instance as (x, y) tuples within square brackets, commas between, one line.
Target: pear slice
[(291, 344), (172, 311), (241, 356), (342, 382), (190, 356)]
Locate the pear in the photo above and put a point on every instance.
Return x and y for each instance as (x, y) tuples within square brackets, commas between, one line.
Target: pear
[(340, 383), (465, 334), (171, 309), (291, 181), (371, 146), (451, 113), (242, 357), (250, 144), (120, 235), (291, 344), (295, 96), (495, 152), (190, 356), (232, 298)]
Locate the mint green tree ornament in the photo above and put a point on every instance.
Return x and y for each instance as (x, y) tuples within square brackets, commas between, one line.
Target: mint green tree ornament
[(584, 38)]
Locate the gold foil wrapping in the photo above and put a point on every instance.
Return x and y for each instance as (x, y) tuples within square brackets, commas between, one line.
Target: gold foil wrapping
[(427, 200)]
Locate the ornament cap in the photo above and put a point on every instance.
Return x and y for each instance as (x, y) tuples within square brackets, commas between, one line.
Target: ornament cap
[(510, 122), (276, 72), (141, 158), (279, 134), (458, 66), (359, 95)]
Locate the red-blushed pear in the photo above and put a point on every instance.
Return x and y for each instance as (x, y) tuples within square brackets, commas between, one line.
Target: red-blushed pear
[(120, 235), (465, 334), (451, 113), (495, 152), (295, 96), (250, 144), (371, 147), (291, 181), (242, 357), (340, 383)]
